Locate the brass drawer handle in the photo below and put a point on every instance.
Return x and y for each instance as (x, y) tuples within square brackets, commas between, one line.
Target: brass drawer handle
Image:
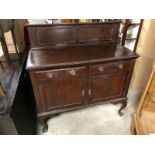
[(101, 68), (50, 75), (72, 72), (120, 66)]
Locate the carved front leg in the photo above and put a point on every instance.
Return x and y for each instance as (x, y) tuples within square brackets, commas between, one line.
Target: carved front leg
[(43, 122), (123, 105)]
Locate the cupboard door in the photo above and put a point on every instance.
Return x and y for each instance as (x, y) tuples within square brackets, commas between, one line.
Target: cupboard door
[(62, 88), (106, 87)]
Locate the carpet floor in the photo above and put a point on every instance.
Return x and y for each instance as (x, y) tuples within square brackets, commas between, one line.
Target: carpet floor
[(95, 120)]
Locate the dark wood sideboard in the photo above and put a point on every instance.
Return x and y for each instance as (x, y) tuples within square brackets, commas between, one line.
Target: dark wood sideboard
[(72, 66)]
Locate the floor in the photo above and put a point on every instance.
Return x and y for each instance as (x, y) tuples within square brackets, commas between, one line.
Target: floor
[(96, 120)]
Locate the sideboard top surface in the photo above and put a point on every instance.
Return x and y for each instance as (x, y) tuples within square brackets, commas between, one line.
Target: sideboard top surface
[(74, 55)]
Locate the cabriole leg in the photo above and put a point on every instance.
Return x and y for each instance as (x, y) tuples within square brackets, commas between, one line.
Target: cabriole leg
[(43, 122), (123, 105)]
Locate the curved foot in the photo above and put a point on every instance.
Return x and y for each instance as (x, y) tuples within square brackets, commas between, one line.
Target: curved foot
[(45, 128), (124, 104), (120, 112), (43, 122)]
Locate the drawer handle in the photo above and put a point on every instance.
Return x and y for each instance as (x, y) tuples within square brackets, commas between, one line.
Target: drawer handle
[(101, 68), (120, 66), (83, 93), (50, 75), (72, 72)]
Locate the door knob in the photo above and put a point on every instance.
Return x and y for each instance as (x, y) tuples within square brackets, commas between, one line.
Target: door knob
[(50, 75), (120, 66), (72, 72), (101, 68)]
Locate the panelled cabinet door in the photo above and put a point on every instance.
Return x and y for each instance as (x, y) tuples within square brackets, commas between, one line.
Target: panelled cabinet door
[(62, 88), (107, 81), (106, 87)]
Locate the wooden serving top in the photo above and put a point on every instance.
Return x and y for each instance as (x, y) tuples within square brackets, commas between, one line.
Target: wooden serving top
[(74, 55)]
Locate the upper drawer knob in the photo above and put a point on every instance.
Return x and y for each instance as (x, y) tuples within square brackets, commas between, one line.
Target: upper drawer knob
[(50, 75), (120, 66), (101, 68), (72, 72)]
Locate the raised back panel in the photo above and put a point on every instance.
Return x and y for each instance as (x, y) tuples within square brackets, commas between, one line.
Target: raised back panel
[(55, 35), (70, 34), (96, 33)]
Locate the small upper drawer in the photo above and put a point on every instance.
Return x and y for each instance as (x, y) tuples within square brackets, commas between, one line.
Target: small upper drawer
[(61, 73), (109, 68)]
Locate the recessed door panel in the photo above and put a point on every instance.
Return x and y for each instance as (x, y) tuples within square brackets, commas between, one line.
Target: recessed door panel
[(106, 87)]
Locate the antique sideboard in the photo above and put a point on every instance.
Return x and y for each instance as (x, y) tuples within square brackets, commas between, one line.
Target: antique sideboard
[(73, 66)]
